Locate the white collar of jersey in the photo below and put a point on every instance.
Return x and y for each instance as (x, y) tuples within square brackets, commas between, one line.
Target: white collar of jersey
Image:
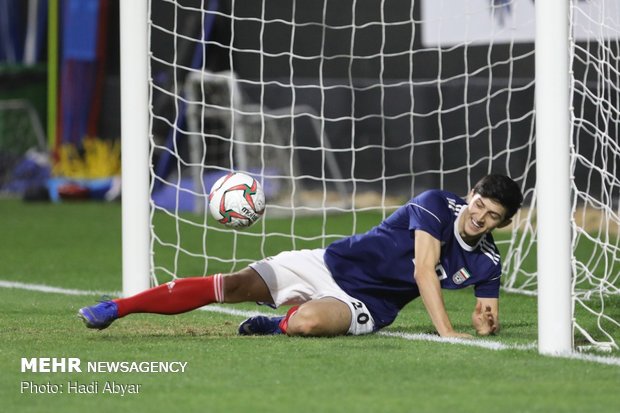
[(461, 241)]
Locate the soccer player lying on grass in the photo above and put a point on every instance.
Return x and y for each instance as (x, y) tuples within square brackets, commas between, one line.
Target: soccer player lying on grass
[(358, 285)]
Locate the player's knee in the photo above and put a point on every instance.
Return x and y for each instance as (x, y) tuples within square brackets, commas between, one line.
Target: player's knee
[(305, 323)]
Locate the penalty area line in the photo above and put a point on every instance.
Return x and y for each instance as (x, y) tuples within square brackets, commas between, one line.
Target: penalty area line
[(480, 343)]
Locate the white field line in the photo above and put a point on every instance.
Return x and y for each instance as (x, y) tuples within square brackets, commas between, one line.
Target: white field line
[(480, 343), (57, 290), (486, 344)]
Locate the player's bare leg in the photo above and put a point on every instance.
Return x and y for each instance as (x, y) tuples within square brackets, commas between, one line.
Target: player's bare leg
[(320, 318), (324, 317), (246, 286)]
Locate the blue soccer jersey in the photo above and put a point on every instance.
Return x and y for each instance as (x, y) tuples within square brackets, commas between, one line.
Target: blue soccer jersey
[(377, 267)]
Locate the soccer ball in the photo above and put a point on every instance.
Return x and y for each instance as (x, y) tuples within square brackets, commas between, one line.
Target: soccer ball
[(236, 200)]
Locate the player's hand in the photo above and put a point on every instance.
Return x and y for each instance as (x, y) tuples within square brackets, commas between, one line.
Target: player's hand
[(483, 320)]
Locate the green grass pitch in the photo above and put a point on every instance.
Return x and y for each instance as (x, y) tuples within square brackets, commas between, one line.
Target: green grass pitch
[(77, 246)]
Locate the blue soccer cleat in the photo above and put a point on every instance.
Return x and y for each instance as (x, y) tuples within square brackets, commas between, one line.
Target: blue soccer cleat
[(260, 325), (100, 315)]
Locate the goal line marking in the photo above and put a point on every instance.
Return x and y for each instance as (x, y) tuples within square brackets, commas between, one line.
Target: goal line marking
[(480, 343)]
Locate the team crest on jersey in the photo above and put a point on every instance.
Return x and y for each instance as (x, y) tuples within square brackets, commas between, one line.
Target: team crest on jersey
[(461, 276)]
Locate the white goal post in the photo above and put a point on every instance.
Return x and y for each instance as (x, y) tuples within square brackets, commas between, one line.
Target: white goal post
[(555, 333), (135, 146), (343, 108)]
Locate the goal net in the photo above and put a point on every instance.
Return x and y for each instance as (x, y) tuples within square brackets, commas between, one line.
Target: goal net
[(344, 109), (595, 118)]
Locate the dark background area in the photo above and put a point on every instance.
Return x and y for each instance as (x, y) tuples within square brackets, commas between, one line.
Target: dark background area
[(374, 85)]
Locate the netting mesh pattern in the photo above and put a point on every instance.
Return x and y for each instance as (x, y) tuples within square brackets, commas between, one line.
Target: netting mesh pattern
[(350, 107), (595, 116)]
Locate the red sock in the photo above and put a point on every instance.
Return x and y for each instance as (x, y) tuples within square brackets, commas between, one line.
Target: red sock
[(284, 323), (174, 297)]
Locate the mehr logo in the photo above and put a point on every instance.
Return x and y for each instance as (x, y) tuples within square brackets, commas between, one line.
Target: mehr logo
[(51, 365)]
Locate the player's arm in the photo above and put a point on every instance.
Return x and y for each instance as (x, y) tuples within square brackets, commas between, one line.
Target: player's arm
[(427, 250), (485, 317)]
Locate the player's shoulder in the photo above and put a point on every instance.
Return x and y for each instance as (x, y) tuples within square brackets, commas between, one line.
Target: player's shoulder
[(488, 247), (441, 203), (438, 196)]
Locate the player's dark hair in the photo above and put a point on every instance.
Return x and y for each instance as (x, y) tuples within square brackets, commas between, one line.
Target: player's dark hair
[(502, 189)]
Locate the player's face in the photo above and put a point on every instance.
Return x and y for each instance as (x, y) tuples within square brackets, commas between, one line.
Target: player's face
[(482, 215)]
